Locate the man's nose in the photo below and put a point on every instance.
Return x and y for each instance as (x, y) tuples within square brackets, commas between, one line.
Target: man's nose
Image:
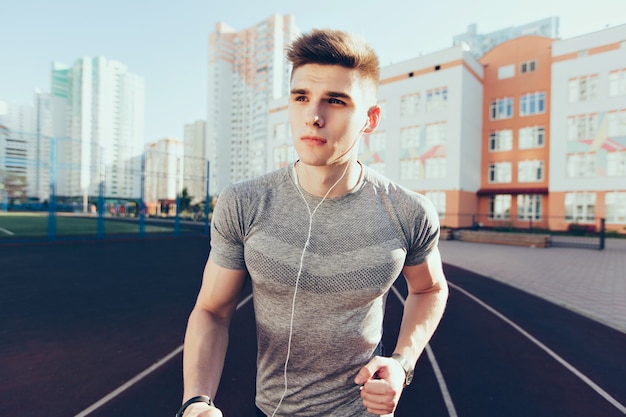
[(315, 119)]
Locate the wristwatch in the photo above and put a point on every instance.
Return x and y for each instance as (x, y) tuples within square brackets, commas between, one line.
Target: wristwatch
[(199, 399), (408, 369)]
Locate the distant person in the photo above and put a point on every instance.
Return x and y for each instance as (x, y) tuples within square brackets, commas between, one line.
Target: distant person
[(323, 240)]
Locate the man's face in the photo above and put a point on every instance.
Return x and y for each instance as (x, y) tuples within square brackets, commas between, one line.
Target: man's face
[(328, 111)]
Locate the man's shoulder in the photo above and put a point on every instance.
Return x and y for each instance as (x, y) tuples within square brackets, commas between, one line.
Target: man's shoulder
[(387, 185), (400, 196)]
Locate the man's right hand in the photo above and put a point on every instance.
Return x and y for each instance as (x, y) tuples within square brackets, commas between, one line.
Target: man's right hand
[(202, 410)]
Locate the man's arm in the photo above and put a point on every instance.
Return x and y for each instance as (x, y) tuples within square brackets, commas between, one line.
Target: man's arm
[(423, 309), (206, 338), (424, 306)]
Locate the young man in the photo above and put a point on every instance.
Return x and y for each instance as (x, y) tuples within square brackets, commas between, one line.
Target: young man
[(323, 241)]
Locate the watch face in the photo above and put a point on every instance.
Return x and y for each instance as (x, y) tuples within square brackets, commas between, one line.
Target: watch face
[(407, 368)]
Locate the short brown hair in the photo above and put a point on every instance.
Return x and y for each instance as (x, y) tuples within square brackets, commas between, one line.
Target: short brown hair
[(335, 47)]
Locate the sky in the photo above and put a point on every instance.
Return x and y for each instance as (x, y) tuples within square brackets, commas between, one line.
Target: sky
[(166, 42)]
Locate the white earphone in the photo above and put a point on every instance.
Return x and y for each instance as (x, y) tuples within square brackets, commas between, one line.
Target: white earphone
[(367, 125)]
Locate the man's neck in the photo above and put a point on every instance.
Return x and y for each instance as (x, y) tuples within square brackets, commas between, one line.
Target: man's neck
[(317, 180)]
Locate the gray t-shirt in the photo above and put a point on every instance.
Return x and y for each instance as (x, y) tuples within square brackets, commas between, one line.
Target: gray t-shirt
[(359, 243)]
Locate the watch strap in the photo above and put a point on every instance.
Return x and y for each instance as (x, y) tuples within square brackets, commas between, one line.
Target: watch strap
[(198, 399)]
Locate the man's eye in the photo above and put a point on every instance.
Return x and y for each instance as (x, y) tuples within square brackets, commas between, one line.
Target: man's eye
[(335, 101), (300, 98)]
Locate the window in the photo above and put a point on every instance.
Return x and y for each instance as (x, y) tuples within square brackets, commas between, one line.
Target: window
[(501, 140), (531, 137), (409, 104), (616, 123), (580, 207), (616, 164), (500, 207), (435, 167), (410, 137), (617, 83), (281, 132), (583, 126), (583, 88), (532, 103), (581, 165), (501, 108), (530, 171), (507, 71), (411, 169), (436, 99), (377, 142), (528, 66), (438, 199), (283, 155), (435, 134), (500, 172), (615, 207), (372, 149), (529, 206)]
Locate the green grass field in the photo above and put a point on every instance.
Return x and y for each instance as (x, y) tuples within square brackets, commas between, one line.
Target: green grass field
[(32, 225)]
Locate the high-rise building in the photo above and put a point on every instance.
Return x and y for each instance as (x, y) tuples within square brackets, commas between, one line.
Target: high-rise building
[(41, 172), (16, 151), (25, 164), (98, 123), (4, 135), (247, 69), (195, 162), (163, 175)]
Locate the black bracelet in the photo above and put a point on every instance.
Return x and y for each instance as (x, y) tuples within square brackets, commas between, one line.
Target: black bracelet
[(199, 399)]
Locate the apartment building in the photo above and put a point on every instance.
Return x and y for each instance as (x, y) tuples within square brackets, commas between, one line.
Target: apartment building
[(40, 173), (25, 149), (4, 187), (16, 150), (515, 133), (164, 175), (246, 70), (98, 124), (194, 160), (588, 130), (428, 139)]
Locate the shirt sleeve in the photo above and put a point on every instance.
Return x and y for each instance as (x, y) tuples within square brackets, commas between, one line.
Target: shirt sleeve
[(425, 232), (227, 231)]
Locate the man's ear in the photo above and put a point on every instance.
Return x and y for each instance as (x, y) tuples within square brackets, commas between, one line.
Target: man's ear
[(373, 118)]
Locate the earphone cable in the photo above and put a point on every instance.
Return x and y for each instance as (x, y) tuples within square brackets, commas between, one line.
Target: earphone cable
[(295, 291)]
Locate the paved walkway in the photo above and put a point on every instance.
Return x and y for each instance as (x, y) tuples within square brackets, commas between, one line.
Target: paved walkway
[(590, 282)]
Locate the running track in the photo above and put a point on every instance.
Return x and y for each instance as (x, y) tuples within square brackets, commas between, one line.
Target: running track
[(95, 329)]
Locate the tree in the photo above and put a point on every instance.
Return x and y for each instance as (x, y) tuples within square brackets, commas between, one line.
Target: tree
[(185, 200)]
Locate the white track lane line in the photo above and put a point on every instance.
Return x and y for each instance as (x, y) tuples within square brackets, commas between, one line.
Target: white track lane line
[(7, 232), (549, 351), (141, 375), (443, 387)]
